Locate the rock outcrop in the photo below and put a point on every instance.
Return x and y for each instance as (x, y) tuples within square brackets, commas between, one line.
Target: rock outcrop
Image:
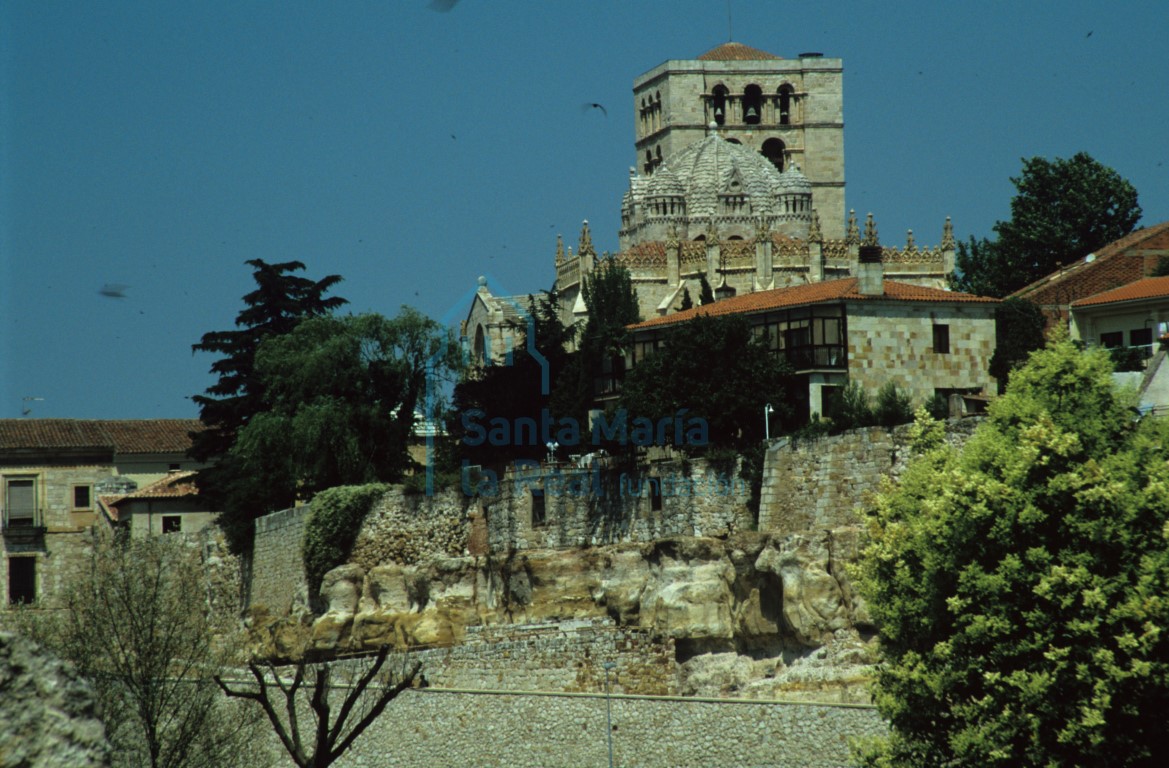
[(47, 715)]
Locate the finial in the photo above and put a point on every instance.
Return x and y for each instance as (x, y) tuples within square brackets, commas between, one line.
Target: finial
[(559, 249), (482, 281), (762, 231), (854, 234), (672, 234), (910, 246), (870, 231), (814, 235), (948, 235), (586, 240)]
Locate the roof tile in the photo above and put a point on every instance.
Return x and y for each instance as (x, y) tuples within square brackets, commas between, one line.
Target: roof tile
[(120, 436), (1149, 288), (736, 52)]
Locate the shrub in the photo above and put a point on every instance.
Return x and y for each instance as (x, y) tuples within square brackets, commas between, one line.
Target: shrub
[(893, 406), (332, 527)]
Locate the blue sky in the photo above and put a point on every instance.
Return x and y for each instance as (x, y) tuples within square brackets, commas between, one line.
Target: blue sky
[(161, 145)]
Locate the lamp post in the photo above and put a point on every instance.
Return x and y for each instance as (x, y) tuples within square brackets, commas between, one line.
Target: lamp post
[(767, 411), (608, 665)]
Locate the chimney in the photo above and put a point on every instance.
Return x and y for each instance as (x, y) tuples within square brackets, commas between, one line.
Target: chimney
[(870, 272)]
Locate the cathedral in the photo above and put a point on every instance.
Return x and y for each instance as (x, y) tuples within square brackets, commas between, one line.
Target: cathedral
[(739, 180)]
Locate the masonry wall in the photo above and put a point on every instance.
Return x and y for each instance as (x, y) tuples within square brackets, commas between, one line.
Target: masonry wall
[(813, 485), (277, 579)]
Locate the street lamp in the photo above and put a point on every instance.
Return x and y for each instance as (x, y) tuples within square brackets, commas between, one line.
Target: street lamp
[(608, 665), (767, 411)]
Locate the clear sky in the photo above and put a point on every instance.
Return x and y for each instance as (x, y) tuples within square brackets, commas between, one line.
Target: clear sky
[(159, 145)]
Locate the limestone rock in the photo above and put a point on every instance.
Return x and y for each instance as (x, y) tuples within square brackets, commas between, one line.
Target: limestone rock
[(813, 602)]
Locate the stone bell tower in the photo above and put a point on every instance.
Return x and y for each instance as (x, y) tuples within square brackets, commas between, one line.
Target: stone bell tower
[(788, 110)]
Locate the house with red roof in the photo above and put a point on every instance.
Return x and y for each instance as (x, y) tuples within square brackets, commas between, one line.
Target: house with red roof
[(55, 478), (1131, 258), (928, 341), (1135, 315)]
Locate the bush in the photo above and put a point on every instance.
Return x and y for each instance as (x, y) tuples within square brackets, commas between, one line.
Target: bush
[(332, 527), (893, 406)]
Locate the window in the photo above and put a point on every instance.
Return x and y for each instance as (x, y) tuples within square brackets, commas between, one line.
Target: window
[(752, 104), (83, 497), (655, 494), (1112, 340), (773, 149), (20, 502), (1142, 338), (172, 524), (719, 103), (941, 338), (538, 509), (22, 580), (785, 104)]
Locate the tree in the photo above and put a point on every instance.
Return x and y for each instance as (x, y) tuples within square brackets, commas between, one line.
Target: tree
[(677, 377), (520, 388), (1063, 210), (367, 693), (1019, 331), (1021, 584), (139, 623), (687, 302), (705, 294), (280, 301), (340, 395)]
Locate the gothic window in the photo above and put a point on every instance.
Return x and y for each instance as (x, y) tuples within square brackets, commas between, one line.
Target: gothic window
[(657, 156), (752, 104), (773, 149), (480, 346), (719, 104), (657, 111), (733, 140), (649, 162), (786, 98)]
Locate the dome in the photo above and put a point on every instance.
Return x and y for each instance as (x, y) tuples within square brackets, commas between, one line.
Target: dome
[(664, 183), (793, 182), (715, 166)]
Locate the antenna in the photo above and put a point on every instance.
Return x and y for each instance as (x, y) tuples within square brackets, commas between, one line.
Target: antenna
[(730, 27)]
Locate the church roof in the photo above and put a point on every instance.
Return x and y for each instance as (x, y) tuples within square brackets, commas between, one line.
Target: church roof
[(736, 52), (812, 293)]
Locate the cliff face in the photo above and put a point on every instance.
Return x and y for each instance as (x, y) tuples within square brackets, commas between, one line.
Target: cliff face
[(753, 615)]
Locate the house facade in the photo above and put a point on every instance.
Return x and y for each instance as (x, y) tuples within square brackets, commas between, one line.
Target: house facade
[(864, 329), (1135, 316), (53, 473)]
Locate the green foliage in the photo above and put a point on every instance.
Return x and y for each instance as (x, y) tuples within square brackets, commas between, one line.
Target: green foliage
[(1020, 584), (938, 407), (1162, 268), (1019, 331), (280, 301), (1063, 210), (332, 527), (678, 376), (893, 406), (849, 408), (1127, 358), (705, 294), (340, 394)]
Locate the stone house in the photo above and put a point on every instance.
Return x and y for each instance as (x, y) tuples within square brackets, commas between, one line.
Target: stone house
[(865, 329), (1131, 258), (52, 473), (171, 504)]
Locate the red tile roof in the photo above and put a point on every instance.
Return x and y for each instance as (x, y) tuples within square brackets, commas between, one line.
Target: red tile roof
[(735, 52), (1120, 262), (120, 436), (813, 293), (174, 486), (1149, 288)]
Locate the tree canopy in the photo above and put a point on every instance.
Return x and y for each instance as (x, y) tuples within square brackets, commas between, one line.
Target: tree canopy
[(1021, 584), (678, 377), (1063, 210), (340, 395)]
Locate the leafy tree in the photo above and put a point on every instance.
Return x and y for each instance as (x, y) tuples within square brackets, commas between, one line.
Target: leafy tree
[(280, 301), (284, 698), (138, 622), (678, 376), (1019, 331), (339, 400), (1021, 584), (849, 408), (1063, 210), (1162, 268), (893, 406)]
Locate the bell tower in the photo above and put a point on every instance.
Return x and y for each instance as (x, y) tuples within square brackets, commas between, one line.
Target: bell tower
[(788, 110)]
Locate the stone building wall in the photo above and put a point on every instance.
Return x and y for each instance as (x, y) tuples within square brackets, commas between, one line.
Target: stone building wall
[(277, 580)]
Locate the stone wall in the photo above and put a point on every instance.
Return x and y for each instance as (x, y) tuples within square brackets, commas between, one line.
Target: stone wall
[(277, 580), (439, 728), (818, 484)]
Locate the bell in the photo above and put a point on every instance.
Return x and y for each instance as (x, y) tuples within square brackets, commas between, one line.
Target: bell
[(752, 113), (718, 111)]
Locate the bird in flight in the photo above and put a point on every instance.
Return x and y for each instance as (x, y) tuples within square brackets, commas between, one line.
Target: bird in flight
[(594, 105), (114, 290)]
